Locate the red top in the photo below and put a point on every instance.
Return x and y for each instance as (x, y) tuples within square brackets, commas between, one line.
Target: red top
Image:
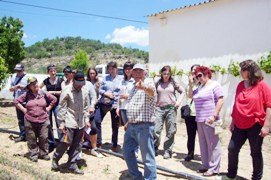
[(36, 105), (250, 105)]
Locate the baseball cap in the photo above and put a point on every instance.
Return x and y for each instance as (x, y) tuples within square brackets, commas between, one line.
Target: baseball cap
[(140, 66), (79, 78), (19, 67)]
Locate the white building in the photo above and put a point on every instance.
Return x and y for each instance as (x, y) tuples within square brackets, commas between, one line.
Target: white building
[(209, 33)]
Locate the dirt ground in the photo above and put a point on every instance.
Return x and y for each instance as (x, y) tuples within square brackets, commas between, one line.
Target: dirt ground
[(14, 166)]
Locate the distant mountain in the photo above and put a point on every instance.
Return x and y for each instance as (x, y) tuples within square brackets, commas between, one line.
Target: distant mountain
[(61, 50)]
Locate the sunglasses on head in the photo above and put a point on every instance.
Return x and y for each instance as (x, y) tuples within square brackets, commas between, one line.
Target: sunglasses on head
[(199, 76)]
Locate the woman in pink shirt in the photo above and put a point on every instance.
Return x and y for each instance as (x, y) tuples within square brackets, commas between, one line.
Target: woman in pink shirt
[(166, 111), (251, 118), (38, 104), (208, 99)]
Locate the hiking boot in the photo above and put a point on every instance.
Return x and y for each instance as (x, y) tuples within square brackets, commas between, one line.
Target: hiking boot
[(189, 158), (19, 139), (33, 158), (96, 153), (45, 157), (55, 165), (224, 177), (167, 155), (113, 149), (156, 151)]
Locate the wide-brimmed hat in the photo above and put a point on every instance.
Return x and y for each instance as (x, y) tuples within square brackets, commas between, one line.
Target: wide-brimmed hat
[(30, 80), (79, 78)]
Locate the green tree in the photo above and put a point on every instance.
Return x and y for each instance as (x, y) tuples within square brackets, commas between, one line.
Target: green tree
[(3, 73), (80, 61), (12, 46)]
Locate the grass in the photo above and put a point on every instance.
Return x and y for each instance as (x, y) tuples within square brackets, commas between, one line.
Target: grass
[(7, 120), (106, 170), (24, 167)]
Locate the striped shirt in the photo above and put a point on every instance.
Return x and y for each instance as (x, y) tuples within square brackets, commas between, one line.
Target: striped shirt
[(140, 106), (205, 98)]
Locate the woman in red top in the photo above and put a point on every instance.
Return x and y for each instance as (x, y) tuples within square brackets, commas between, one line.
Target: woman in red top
[(38, 104), (251, 118)]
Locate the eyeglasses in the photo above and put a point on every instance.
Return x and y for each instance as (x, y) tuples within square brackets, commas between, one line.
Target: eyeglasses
[(199, 76)]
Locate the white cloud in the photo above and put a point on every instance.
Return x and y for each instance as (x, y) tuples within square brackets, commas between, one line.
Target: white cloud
[(129, 35), (29, 36), (25, 36)]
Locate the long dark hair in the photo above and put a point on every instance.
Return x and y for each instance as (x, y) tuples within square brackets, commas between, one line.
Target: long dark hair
[(166, 68), (127, 64), (254, 72), (88, 77)]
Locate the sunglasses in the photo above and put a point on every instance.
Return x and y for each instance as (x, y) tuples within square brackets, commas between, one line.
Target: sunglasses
[(199, 76)]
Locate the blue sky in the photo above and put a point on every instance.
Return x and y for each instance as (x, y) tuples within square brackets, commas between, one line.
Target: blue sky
[(41, 23)]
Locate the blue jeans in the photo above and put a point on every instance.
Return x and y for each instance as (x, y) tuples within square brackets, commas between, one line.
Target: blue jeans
[(140, 135), (51, 138), (20, 117), (100, 112)]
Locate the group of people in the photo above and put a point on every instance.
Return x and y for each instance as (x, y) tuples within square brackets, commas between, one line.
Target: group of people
[(142, 105)]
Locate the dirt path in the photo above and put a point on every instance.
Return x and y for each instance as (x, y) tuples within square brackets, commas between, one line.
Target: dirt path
[(111, 167)]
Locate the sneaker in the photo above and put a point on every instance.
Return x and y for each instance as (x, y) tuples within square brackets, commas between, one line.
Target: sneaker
[(45, 157), (96, 153), (55, 165), (19, 139), (136, 154), (74, 169), (167, 155)]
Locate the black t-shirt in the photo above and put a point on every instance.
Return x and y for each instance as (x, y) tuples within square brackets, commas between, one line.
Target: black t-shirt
[(53, 87)]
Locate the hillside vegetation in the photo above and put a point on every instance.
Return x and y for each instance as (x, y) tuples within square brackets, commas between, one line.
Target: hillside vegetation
[(60, 51)]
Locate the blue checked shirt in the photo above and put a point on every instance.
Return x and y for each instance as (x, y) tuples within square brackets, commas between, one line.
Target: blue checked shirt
[(140, 107), (111, 85)]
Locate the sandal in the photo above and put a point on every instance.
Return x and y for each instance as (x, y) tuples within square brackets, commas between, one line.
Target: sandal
[(209, 173)]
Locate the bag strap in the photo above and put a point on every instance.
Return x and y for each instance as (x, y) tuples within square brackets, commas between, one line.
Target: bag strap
[(17, 82), (191, 101), (19, 79)]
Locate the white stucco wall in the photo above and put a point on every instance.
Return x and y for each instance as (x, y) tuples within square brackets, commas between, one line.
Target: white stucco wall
[(212, 30), (209, 34)]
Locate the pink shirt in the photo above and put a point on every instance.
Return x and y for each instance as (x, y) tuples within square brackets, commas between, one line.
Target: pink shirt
[(36, 105), (166, 95)]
